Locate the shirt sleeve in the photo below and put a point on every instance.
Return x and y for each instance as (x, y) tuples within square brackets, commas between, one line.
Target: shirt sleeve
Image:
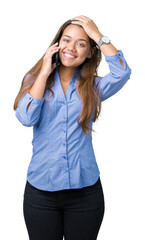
[(116, 79), (29, 118)]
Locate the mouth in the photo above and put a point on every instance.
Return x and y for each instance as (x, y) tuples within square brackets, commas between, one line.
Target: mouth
[(69, 55)]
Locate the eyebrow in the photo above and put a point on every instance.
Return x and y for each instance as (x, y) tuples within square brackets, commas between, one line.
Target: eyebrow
[(81, 39)]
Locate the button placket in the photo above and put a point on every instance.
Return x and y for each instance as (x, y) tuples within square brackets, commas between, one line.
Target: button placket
[(64, 140)]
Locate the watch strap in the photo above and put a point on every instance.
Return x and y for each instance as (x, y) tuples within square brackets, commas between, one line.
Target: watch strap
[(101, 41)]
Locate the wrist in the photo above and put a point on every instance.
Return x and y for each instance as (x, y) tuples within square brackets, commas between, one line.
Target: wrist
[(97, 37), (43, 76)]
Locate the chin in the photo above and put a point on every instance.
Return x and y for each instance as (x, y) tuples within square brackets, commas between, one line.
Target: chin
[(70, 65)]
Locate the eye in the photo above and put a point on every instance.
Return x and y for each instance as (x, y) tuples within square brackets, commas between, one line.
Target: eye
[(81, 44), (65, 40)]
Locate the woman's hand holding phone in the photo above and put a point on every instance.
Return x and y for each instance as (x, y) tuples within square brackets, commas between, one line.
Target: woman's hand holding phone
[(47, 65)]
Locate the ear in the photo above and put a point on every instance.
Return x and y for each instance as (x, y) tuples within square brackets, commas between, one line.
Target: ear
[(91, 52)]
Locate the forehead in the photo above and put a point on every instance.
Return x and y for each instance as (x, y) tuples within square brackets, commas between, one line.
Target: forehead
[(75, 31)]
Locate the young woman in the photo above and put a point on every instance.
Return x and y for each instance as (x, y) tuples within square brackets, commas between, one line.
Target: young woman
[(63, 194)]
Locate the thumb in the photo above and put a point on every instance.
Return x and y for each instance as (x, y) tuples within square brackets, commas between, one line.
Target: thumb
[(53, 66)]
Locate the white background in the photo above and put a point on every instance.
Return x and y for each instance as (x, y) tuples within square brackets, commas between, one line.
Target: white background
[(27, 28)]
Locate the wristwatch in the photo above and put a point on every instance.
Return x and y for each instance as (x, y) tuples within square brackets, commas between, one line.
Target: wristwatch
[(102, 40)]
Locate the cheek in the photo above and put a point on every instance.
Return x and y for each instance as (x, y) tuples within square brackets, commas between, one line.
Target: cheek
[(62, 47), (62, 44), (83, 54)]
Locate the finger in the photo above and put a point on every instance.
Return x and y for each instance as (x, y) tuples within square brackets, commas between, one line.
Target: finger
[(53, 65), (77, 21), (80, 18), (51, 50), (85, 17), (50, 54), (54, 48), (55, 44)]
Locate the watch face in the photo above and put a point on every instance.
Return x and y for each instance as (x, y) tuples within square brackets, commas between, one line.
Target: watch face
[(105, 39)]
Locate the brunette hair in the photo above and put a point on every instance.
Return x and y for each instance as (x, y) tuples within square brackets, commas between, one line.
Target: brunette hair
[(90, 95)]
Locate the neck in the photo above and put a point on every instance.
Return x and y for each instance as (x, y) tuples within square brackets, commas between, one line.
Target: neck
[(66, 73)]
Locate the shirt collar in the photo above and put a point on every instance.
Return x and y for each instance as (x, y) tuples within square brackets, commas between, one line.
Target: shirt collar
[(72, 86), (74, 79)]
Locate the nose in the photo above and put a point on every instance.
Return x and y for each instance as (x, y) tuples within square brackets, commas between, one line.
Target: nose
[(71, 47)]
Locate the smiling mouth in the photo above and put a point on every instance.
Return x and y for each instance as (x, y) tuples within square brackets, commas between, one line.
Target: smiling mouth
[(69, 56)]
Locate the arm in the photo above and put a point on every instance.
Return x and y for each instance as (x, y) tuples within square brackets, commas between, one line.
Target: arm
[(107, 49), (38, 87), (33, 102), (119, 69), (93, 32), (116, 79), (29, 107)]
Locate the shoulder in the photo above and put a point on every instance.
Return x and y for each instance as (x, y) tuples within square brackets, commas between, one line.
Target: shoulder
[(97, 80)]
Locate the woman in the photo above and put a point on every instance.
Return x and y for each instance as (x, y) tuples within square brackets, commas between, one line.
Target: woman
[(63, 194)]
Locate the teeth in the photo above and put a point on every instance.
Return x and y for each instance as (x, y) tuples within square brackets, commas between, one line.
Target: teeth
[(68, 55)]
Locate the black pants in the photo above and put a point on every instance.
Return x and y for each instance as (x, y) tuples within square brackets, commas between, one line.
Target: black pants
[(75, 214)]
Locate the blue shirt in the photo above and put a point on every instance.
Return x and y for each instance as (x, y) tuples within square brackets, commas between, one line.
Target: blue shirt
[(63, 155)]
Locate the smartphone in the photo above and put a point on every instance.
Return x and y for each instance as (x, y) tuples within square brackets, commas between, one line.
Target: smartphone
[(55, 59)]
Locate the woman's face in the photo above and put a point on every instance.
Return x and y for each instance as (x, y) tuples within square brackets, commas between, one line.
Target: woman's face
[(74, 46)]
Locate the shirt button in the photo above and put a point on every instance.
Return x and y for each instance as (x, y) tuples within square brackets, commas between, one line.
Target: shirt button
[(64, 156), (29, 98), (63, 144)]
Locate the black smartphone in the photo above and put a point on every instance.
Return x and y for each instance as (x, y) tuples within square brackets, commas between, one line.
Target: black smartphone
[(55, 59)]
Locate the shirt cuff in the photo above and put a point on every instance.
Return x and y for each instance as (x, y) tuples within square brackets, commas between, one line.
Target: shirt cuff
[(35, 100), (114, 57), (115, 64)]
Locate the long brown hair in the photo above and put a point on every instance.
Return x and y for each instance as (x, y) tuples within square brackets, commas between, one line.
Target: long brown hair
[(90, 96)]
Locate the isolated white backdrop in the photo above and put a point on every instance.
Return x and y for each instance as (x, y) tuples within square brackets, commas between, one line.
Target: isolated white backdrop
[(27, 28)]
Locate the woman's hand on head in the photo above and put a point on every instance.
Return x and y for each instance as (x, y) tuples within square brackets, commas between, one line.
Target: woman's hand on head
[(89, 26), (47, 65)]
